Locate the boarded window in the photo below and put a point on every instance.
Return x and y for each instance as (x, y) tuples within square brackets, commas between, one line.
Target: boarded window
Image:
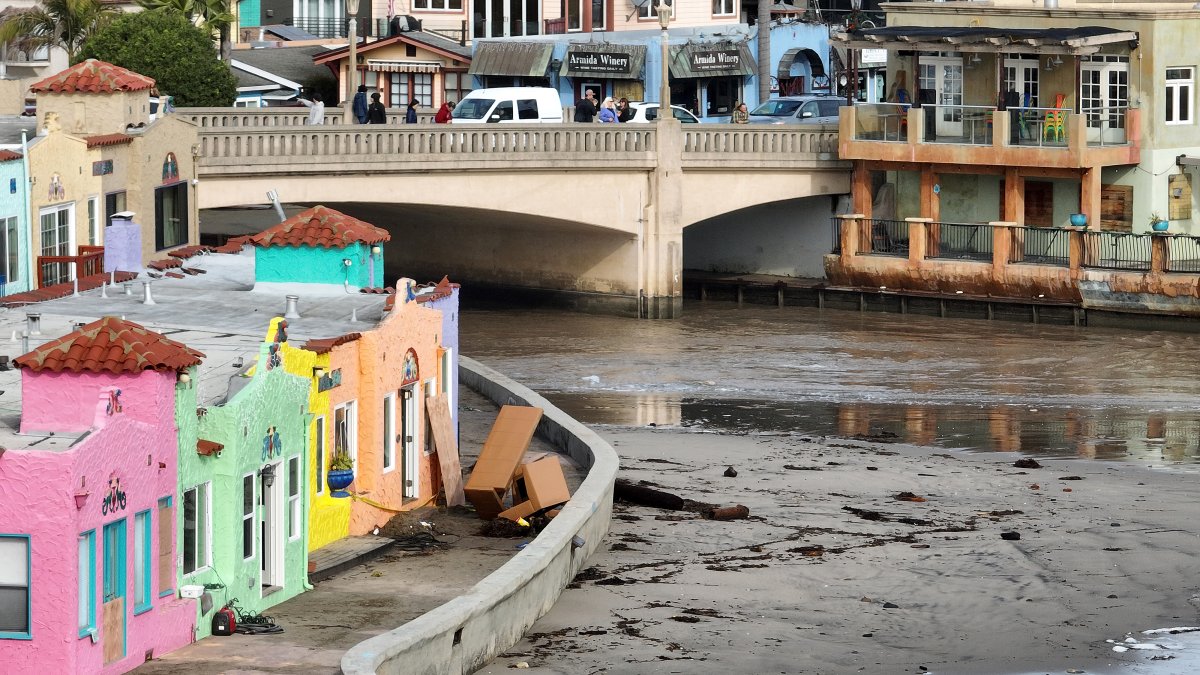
[(1039, 204), (1179, 197), (166, 536), (1116, 207)]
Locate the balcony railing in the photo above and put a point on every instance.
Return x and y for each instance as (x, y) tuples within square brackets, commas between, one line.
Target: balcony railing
[(959, 241), (887, 237), (1041, 246), (1117, 250), (977, 125), (57, 269), (1183, 254)]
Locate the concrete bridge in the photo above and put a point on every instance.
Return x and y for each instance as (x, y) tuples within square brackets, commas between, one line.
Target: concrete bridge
[(593, 214)]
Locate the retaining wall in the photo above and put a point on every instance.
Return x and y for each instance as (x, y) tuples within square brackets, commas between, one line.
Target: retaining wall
[(472, 629)]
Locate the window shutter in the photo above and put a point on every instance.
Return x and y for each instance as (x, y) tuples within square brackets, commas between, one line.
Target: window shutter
[(166, 561)]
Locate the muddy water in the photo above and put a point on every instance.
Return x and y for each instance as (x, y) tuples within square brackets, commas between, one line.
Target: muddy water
[(1045, 391)]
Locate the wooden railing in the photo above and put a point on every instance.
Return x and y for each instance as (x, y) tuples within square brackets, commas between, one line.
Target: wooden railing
[(56, 269)]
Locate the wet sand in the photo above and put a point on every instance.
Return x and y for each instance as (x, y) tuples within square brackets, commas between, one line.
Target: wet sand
[(833, 574)]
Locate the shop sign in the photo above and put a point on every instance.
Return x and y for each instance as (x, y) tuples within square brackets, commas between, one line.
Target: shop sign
[(722, 60), (600, 62)]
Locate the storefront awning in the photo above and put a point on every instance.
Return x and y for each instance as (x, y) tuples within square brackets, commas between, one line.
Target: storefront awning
[(515, 59), (789, 57), (711, 60), (402, 66), (1078, 40), (606, 61)]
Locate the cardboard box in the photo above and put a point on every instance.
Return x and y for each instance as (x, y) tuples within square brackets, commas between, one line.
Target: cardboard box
[(500, 458), (545, 483)]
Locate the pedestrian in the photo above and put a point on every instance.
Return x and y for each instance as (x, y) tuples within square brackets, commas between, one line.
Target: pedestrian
[(316, 108), (359, 106), (376, 113), (585, 109), (624, 112), (740, 114), (410, 117), (608, 112), (445, 113)]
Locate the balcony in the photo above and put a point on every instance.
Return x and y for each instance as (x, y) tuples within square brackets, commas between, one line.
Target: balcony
[(983, 135), (58, 269)]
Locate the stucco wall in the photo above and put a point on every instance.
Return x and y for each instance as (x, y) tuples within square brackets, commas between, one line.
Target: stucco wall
[(89, 114), (317, 265), (448, 306), (63, 402), (60, 159), (13, 204), (146, 155)]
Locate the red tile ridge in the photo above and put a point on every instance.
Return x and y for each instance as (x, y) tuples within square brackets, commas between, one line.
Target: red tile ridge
[(325, 345), (9, 155), (104, 140), (321, 227), (110, 345), (165, 264), (92, 76)]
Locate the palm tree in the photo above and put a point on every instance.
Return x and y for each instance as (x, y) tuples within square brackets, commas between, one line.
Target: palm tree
[(210, 15), (57, 23)]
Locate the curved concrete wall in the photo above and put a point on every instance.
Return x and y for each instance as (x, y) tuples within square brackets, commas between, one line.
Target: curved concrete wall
[(467, 632)]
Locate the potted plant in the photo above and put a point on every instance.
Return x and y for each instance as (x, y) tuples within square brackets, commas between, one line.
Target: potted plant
[(341, 472), (1157, 223), (1079, 220)]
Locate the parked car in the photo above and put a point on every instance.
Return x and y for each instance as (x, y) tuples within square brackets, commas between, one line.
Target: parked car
[(810, 109), (645, 111), (509, 105)]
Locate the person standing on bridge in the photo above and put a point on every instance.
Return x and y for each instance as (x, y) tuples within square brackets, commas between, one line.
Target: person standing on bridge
[(360, 104), (585, 109), (445, 113), (316, 108), (411, 116), (376, 113), (608, 112), (740, 114)]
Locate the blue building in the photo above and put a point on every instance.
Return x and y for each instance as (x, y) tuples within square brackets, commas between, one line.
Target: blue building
[(14, 223)]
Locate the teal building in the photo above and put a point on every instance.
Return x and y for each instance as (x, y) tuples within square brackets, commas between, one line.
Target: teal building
[(320, 246), (14, 223)]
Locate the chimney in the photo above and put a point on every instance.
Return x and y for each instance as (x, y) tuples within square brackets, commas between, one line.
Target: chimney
[(33, 324), (147, 297), (290, 312)]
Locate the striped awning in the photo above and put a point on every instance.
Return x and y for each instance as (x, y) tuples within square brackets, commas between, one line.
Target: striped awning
[(403, 66), (514, 59)]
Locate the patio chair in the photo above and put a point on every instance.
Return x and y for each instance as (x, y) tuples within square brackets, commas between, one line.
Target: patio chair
[(902, 98), (1056, 122)]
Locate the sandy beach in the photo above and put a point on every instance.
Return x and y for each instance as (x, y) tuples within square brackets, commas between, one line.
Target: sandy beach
[(838, 571)]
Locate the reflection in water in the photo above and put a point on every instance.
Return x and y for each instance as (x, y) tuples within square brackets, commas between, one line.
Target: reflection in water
[(1042, 390)]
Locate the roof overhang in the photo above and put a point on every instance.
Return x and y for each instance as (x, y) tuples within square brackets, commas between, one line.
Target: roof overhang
[(1076, 41), (515, 59)]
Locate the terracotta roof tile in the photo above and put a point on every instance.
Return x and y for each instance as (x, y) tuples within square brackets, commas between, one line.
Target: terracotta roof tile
[(443, 289), (325, 345), (108, 139), (322, 227), (61, 290), (9, 155), (165, 264), (189, 251), (95, 77), (110, 345), (208, 448), (233, 245)]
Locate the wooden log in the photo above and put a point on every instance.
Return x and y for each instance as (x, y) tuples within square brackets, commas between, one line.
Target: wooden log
[(644, 496)]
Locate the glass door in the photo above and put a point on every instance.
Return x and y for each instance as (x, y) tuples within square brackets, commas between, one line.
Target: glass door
[(1104, 97), (944, 76)]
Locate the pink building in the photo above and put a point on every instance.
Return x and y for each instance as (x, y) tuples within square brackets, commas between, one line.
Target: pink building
[(87, 504)]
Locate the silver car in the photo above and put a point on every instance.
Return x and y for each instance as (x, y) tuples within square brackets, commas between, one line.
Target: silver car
[(798, 110)]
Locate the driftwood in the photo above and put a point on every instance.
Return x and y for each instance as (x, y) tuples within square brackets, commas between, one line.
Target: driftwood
[(644, 496), (728, 513)]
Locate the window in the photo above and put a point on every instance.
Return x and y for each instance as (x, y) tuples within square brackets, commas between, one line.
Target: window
[(196, 514), (503, 112), (294, 498), (114, 202), (320, 455), (1180, 83), (114, 561), (574, 15), (345, 430), (87, 583), (141, 562), (404, 87), (724, 7), (166, 558), (599, 15), (170, 216), (57, 228), (9, 257), (14, 586), (93, 206), (389, 432), (650, 9), (527, 109), (457, 85), (248, 516), (1022, 74), (438, 5)]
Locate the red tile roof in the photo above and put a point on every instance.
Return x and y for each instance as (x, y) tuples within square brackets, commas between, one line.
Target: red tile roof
[(110, 345), (444, 289), (108, 139), (165, 264), (207, 448), (322, 227), (61, 290), (189, 251), (95, 77), (234, 245), (324, 345), (9, 155)]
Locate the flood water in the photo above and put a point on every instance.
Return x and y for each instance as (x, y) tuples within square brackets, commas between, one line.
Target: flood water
[(1046, 391)]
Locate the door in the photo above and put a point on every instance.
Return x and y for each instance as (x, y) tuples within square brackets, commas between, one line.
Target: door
[(408, 401), (1104, 96), (112, 632), (273, 532), (944, 76)]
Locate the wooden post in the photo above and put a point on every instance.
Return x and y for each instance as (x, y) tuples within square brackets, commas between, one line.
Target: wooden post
[(860, 189), (1014, 196)]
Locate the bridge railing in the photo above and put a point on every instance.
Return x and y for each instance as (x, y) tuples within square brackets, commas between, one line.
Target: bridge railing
[(726, 138), (281, 116)]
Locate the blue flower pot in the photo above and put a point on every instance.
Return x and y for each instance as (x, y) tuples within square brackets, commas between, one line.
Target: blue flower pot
[(1079, 219), (338, 480), (1160, 225)]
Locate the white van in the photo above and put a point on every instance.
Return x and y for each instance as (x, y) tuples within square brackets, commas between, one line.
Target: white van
[(510, 105)]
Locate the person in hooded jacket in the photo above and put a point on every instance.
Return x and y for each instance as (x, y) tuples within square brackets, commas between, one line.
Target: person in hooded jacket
[(444, 113)]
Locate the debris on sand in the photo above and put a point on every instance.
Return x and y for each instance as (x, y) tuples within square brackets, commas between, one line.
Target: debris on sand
[(908, 497), (1027, 463)]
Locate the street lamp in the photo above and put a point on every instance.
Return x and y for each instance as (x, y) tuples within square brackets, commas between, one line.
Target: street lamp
[(348, 100), (664, 89)]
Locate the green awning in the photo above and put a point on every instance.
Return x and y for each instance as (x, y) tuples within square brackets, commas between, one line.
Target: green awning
[(515, 59), (711, 60), (606, 61)]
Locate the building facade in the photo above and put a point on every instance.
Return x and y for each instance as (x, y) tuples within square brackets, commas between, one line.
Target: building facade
[(14, 223)]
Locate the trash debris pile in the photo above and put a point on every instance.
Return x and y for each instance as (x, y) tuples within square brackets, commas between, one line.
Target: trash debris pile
[(502, 485)]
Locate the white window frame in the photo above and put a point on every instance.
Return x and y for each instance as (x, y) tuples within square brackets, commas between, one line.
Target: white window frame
[(321, 466), (10, 259), (95, 232), (248, 515), (725, 7), (1184, 89), (350, 433), (650, 10), (294, 515), (20, 578), (60, 248), (389, 433), (203, 535), (437, 6), (87, 583)]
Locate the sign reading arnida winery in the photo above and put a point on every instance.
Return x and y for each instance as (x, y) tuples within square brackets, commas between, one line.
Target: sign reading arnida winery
[(722, 60), (599, 62)]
